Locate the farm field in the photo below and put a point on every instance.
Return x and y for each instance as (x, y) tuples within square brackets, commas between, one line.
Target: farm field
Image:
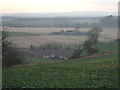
[(20, 34), (66, 44), (44, 39), (100, 72), (92, 72), (32, 37), (111, 33), (45, 30)]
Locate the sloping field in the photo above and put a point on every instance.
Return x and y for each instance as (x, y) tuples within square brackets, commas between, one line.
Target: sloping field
[(98, 72), (91, 72)]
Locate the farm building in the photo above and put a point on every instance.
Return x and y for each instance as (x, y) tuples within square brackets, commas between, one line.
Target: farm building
[(68, 32)]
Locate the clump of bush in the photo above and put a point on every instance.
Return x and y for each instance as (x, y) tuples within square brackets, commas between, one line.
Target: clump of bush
[(88, 46), (10, 54)]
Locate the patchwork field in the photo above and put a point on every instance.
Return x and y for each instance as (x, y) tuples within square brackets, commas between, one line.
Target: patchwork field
[(35, 36), (111, 33)]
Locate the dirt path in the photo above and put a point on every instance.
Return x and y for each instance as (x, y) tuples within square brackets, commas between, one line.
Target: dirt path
[(102, 54)]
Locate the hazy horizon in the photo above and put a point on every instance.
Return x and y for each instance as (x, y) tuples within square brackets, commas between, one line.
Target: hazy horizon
[(61, 14), (58, 6)]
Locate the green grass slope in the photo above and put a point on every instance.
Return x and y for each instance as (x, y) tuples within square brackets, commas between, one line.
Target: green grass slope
[(108, 46), (97, 72), (92, 72)]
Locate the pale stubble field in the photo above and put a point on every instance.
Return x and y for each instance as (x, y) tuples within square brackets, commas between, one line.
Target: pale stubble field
[(107, 34)]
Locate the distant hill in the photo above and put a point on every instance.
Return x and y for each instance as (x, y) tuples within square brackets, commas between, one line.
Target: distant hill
[(62, 14), (84, 22)]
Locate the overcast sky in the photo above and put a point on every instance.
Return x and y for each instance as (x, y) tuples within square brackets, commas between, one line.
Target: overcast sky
[(14, 6)]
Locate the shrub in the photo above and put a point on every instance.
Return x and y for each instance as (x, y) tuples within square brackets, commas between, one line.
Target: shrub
[(10, 54)]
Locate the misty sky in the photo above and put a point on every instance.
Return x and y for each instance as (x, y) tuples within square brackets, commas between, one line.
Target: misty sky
[(14, 6)]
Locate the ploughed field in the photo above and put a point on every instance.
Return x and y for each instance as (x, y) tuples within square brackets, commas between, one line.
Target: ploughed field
[(91, 72)]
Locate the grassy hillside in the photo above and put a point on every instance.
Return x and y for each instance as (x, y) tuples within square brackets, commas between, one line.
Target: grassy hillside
[(92, 72), (108, 46), (98, 72), (40, 60)]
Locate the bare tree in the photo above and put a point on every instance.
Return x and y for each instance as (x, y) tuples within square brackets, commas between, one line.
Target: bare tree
[(10, 55), (88, 45), (93, 35)]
